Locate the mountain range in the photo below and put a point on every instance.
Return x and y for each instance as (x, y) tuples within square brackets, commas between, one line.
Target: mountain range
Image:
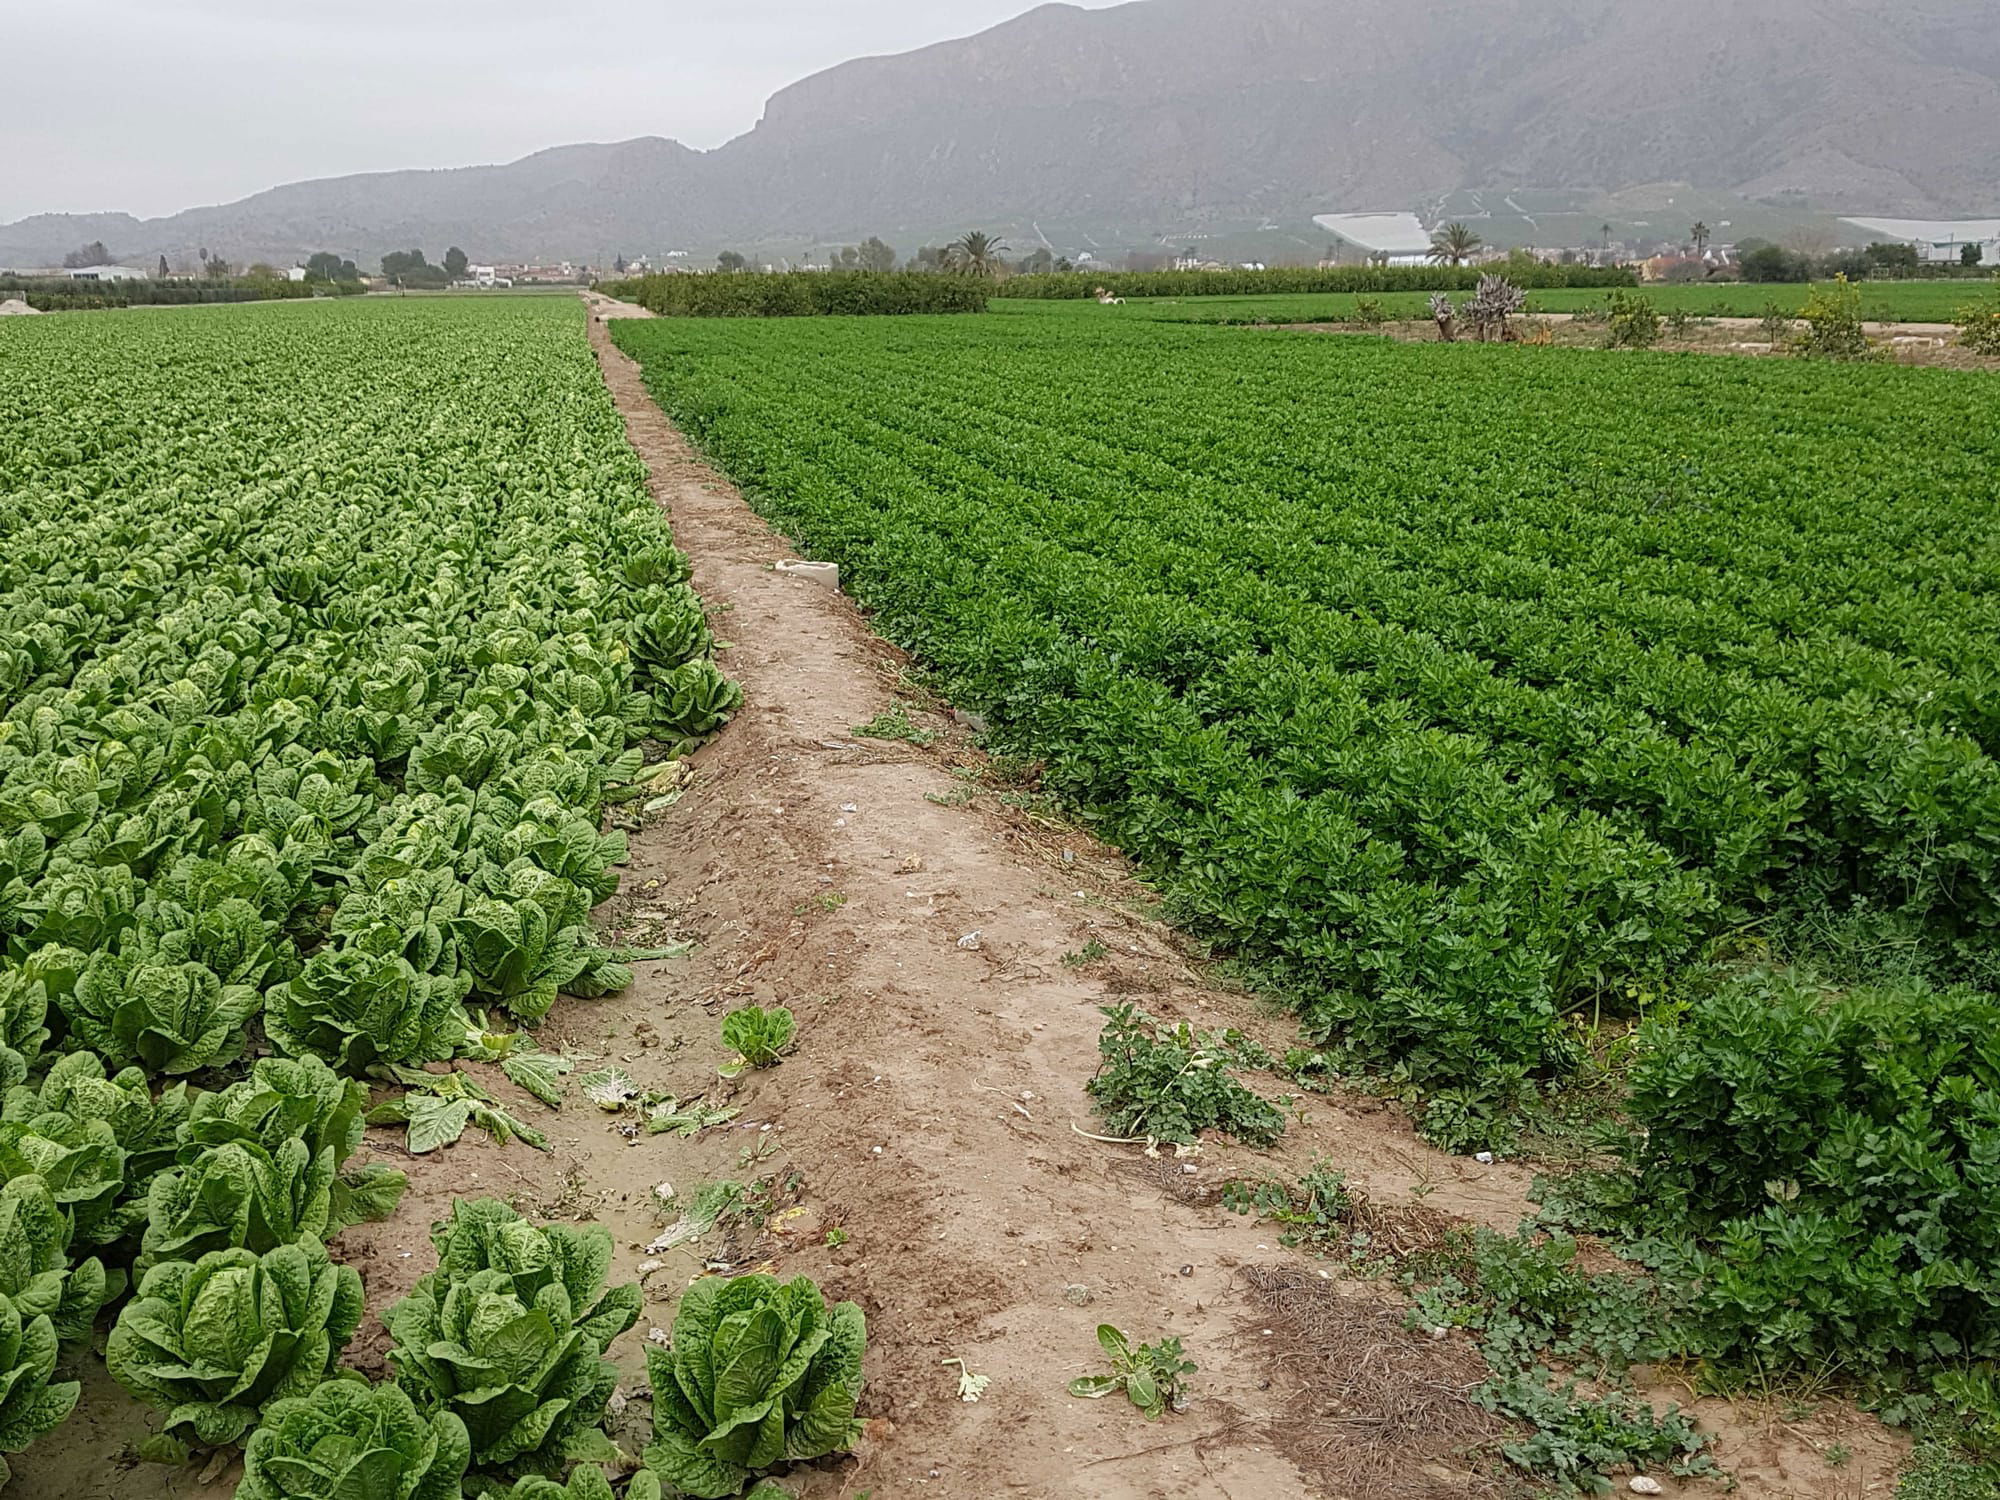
[(1211, 114)]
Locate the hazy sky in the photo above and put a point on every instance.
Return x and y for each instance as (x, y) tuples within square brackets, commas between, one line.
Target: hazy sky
[(149, 106)]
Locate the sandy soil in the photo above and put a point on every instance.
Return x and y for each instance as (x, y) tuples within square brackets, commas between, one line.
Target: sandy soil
[(932, 1114)]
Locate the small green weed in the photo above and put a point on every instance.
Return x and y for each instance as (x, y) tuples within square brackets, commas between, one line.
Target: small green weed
[(836, 1237), (1089, 953), (1580, 1443), (1151, 1375), (1316, 1214), (1526, 1299), (1939, 1470), (1173, 1082), (894, 724), (760, 1037)]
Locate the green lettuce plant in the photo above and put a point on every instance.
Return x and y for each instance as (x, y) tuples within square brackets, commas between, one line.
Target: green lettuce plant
[(145, 1127), (521, 956), (759, 1037), (692, 700), (239, 1196), (212, 1342), (760, 1372), (560, 842), (673, 633), (357, 1009), (29, 1404), (83, 1165), (529, 1384), (587, 1482), (349, 1440), (169, 1018), (35, 1270), (80, 907), (404, 910), (486, 1235), (24, 1013), (302, 1099), (232, 939)]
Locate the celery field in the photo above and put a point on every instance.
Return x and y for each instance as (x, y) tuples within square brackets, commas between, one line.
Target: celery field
[(1460, 693)]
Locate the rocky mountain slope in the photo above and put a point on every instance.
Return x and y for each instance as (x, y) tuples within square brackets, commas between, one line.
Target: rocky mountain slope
[(1219, 112)]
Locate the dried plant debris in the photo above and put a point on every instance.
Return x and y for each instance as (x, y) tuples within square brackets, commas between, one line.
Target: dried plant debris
[(1376, 1410)]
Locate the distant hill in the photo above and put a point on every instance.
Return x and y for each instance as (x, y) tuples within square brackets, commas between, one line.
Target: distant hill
[(1217, 112)]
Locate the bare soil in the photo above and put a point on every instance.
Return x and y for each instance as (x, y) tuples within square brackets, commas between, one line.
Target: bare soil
[(930, 922), (1929, 344)]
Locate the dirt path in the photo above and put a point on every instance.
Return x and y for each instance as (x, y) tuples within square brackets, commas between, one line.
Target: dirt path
[(934, 1105), (929, 1107)]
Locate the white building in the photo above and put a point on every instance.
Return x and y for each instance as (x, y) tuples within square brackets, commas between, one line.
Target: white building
[(1400, 239), (1939, 240), (107, 273), (296, 273)]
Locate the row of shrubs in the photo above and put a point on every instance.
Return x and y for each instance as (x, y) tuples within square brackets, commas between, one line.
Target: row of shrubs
[(1075, 285), (47, 294), (803, 294)]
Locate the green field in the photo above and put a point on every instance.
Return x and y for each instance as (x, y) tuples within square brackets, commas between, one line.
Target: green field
[(326, 633), (1881, 301), (1439, 687), (1482, 702)]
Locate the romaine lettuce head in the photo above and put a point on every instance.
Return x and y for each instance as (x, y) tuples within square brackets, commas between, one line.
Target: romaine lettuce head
[(29, 1405), (212, 1342), (529, 1386), (487, 1235), (349, 1440), (238, 1196), (356, 1008), (35, 1269), (760, 1372)]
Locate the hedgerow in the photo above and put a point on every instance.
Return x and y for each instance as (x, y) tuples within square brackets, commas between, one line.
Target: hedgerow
[(799, 294)]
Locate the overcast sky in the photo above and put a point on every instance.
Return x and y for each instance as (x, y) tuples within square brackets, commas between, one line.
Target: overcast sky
[(150, 106)]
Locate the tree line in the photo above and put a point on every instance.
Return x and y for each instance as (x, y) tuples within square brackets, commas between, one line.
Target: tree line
[(974, 253)]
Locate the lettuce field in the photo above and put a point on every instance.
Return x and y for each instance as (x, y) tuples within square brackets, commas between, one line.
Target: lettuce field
[(326, 633), (1458, 693)]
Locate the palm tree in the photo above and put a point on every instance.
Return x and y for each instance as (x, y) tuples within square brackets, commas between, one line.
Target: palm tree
[(1454, 244), (976, 253), (1700, 235)]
